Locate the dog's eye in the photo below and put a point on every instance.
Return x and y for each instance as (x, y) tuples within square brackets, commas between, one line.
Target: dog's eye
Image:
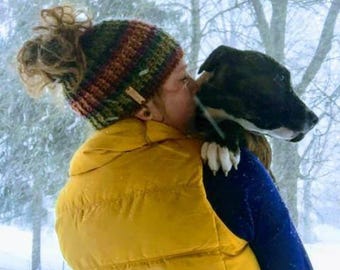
[(279, 77)]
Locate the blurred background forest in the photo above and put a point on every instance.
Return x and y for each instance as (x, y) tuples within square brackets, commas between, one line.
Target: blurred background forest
[(38, 137)]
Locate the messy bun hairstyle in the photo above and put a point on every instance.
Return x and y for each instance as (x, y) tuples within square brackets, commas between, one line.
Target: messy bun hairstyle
[(106, 70), (54, 55)]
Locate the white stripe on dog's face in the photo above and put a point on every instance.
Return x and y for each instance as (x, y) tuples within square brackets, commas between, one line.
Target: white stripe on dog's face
[(280, 133)]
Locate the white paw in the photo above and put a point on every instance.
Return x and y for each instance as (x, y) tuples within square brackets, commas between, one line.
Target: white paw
[(219, 157)]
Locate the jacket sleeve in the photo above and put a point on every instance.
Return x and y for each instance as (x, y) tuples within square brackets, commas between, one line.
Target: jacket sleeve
[(249, 204)]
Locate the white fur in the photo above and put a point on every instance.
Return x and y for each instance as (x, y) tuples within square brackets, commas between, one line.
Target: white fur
[(219, 157), (280, 133), (212, 154)]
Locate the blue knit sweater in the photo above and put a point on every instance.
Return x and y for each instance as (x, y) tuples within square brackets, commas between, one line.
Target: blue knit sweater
[(249, 204)]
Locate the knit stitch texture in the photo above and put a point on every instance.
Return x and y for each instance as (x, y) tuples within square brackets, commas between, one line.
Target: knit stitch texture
[(121, 54)]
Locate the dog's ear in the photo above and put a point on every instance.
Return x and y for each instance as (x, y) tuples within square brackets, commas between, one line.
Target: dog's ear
[(212, 61), (222, 54)]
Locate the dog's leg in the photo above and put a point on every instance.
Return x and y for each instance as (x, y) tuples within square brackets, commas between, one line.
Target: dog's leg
[(218, 156), (220, 151)]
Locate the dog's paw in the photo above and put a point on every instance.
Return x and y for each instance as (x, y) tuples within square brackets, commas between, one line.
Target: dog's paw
[(219, 157)]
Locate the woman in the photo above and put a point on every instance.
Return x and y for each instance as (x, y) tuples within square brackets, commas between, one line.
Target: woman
[(138, 196)]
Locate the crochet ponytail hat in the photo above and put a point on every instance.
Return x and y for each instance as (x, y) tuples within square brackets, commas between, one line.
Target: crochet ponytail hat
[(126, 63)]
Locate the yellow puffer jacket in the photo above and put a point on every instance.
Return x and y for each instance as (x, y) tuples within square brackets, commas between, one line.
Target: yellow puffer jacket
[(135, 200)]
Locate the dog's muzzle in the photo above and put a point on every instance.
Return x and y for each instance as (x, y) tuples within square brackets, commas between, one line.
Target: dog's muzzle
[(310, 122)]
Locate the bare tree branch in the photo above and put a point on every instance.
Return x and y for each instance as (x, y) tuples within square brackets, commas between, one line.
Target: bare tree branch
[(262, 24), (178, 5), (324, 46), (278, 29), (196, 34), (237, 5)]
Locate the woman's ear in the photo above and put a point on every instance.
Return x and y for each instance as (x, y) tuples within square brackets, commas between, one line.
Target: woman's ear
[(150, 111), (144, 114)]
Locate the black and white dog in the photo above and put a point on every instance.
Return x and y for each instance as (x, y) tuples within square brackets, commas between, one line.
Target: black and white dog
[(247, 90)]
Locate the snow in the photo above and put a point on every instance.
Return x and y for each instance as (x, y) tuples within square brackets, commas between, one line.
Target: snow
[(15, 249), (325, 254)]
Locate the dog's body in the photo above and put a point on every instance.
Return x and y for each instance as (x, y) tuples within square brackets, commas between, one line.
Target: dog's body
[(248, 91)]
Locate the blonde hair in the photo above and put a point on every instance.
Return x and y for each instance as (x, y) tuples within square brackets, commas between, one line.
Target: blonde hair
[(260, 146), (55, 54)]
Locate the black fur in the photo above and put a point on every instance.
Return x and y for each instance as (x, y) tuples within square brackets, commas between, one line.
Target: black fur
[(252, 86)]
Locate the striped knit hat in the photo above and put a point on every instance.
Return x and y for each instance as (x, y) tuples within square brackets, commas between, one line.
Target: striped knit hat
[(127, 62)]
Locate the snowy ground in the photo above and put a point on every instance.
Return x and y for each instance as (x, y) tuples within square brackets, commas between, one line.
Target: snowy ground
[(15, 249)]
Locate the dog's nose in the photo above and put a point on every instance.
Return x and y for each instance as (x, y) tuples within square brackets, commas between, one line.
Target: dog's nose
[(313, 118), (311, 121)]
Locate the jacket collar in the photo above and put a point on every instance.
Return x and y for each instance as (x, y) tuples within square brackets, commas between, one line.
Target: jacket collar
[(123, 136), (133, 133)]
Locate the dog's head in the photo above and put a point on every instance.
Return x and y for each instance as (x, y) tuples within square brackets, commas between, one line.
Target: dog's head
[(254, 90)]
